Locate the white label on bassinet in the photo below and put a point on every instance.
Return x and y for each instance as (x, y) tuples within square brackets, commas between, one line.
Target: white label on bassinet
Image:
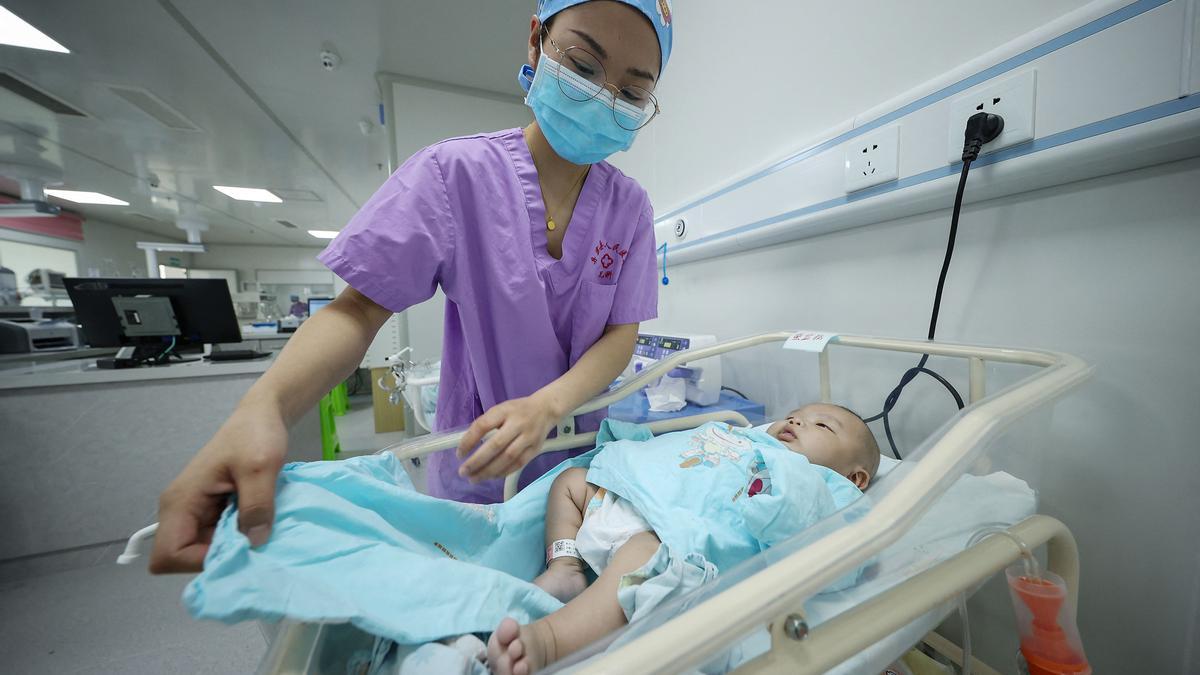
[(809, 340)]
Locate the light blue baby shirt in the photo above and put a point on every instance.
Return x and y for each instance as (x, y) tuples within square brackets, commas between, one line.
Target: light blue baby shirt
[(722, 492)]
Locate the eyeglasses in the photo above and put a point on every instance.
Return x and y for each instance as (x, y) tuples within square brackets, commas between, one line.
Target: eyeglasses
[(582, 78)]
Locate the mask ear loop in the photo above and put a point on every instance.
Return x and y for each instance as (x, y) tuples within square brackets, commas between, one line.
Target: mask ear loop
[(527, 73)]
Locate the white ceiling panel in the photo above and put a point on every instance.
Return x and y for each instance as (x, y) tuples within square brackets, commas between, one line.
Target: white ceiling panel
[(247, 75)]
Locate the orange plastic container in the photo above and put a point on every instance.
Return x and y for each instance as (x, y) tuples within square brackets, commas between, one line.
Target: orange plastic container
[(1049, 638)]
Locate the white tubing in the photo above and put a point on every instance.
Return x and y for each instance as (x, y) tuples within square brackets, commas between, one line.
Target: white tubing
[(133, 548)]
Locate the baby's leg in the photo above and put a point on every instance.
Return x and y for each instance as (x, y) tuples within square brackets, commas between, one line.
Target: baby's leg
[(594, 613), (568, 498)]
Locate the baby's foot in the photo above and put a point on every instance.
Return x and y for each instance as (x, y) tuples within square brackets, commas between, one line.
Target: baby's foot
[(515, 650), (564, 579)]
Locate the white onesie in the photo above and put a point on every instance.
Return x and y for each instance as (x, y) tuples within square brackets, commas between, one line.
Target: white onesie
[(608, 522)]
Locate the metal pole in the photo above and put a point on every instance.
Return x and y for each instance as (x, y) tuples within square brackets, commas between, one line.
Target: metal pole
[(151, 264), (978, 379), (823, 361)]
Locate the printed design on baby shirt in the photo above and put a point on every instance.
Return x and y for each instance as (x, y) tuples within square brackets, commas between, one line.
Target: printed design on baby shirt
[(713, 443), (760, 480), (606, 259)]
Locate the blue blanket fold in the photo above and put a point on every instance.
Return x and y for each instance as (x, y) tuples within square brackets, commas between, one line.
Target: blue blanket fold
[(353, 541)]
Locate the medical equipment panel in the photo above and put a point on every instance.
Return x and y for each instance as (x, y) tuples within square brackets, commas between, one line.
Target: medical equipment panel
[(317, 303), (703, 376), (636, 409)]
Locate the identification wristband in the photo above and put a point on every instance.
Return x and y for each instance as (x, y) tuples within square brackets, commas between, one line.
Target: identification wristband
[(562, 548)]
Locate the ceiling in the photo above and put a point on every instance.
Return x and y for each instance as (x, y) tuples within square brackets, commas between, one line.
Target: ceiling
[(248, 77)]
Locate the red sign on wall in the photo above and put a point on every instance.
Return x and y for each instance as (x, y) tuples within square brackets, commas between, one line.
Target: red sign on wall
[(63, 226)]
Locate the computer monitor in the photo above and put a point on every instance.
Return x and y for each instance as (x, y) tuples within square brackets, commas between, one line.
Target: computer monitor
[(317, 303), (151, 314)]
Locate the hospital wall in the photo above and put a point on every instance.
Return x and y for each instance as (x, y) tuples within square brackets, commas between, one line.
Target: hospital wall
[(1105, 269), (247, 260), (798, 69), (107, 249)]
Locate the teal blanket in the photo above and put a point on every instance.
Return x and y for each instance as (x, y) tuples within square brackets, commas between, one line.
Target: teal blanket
[(354, 541)]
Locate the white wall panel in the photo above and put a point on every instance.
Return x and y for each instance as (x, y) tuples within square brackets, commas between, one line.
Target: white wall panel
[(1105, 60)]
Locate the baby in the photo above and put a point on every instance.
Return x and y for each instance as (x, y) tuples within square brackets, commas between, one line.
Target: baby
[(588, 524)]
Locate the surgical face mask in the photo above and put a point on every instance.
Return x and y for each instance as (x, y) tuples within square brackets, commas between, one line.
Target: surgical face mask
[(581, 132)]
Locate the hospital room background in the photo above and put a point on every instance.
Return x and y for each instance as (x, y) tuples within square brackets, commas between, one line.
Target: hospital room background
[(1085, 239)]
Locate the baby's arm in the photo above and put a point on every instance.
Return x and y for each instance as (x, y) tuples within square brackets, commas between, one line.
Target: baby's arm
[(568, 498), (569, 495)]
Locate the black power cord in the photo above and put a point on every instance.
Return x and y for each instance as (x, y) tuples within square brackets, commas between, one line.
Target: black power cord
[(981, 128), (735, 391)]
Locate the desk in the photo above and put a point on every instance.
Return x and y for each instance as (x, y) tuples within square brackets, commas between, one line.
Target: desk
[(16, 360), (263, 340), (85, 451)]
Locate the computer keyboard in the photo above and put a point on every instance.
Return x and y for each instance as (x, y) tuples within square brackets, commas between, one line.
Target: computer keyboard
[(236, 355)]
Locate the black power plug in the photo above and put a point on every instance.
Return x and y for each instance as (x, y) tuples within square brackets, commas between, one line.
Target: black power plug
[(981, 128)]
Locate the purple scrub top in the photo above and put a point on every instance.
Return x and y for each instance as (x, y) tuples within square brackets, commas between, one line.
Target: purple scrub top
[(467, 214)]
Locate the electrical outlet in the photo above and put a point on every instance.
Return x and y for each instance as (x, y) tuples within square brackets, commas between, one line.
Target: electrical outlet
[(1011, 98), (873, 158)]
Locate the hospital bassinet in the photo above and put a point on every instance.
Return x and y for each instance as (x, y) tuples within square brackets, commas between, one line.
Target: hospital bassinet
[(914, 533)]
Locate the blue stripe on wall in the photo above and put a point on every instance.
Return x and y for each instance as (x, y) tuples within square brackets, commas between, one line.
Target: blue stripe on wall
[(1071, 37), (1148, 114)]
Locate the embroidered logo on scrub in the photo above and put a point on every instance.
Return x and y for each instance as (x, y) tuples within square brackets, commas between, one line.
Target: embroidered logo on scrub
[(708, 447), (606, 259)]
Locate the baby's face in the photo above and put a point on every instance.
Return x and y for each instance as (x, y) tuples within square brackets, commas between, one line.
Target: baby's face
[(826, 434)]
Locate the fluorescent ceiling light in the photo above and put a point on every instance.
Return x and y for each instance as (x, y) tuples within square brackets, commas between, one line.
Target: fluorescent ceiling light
[(323, 234), (246, 194), (84, 197), (18, 33)]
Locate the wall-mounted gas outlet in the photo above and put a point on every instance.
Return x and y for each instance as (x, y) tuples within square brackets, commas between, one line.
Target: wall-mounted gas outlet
[(873, 158), (1011, 98), (680, 228)]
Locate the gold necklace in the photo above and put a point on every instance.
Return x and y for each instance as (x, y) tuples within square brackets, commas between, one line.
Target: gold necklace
[(550, 224)]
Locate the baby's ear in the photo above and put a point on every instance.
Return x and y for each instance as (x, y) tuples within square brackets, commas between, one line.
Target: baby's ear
[(860, 478)]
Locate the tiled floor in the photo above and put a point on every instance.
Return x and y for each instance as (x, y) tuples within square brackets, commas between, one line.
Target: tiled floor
[(113, 619), (356, 429), (356, 433)]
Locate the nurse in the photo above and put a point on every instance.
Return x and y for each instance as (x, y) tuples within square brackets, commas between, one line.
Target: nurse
[(546, 256)]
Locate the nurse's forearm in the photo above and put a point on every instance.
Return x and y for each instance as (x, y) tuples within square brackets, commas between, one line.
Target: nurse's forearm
[(323, 352), (593, 372)]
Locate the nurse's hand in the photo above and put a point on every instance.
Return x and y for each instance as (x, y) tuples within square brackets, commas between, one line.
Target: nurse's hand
[(243, 457), (520, 426)]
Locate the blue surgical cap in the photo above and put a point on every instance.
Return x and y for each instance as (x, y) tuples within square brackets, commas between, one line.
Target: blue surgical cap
[(657, 11)]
